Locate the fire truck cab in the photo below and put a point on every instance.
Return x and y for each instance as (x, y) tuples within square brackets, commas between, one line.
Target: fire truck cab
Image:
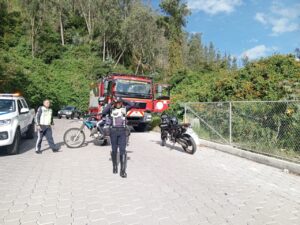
[(151, 98)]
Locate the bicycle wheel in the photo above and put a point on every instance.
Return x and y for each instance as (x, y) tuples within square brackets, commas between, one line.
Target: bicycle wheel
[(74, 137)]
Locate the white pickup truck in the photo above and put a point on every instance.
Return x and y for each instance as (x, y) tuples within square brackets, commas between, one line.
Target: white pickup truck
[(16, 120)]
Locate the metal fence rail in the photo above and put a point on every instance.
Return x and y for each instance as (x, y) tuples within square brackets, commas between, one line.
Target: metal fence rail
[(268, 127)]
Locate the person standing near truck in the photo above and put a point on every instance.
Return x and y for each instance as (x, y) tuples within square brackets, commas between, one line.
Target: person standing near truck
[(117, 111), (44, 120)]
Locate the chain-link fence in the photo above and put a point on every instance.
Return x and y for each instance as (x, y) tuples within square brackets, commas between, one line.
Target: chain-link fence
[(267, 127)]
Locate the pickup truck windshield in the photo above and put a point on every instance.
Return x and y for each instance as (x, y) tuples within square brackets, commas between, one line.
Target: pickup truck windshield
[(134, 89), (7, 106)]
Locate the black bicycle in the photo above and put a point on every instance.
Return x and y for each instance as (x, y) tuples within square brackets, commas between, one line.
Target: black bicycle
[(176, 133)]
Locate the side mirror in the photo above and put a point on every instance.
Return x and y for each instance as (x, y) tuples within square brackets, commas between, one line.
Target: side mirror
[(24, 110), (159, 90)]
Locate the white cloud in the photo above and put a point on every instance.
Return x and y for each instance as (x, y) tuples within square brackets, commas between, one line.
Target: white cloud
[(214, 6), (260, 17), (258, 52), (281, 19)]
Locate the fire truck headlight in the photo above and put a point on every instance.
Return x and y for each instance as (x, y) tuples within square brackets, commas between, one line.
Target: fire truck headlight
[(159, 105)]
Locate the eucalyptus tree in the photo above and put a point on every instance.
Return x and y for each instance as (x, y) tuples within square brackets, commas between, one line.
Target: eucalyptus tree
[(36, 11), (89, 13), (142, 34), (195, 56), (173, 22)]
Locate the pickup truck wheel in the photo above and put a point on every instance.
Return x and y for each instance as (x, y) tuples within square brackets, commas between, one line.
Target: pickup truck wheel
[(30, 131), (14, 147)]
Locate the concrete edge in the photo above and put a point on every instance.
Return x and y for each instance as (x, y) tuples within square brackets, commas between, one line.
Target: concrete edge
[(267, 160)]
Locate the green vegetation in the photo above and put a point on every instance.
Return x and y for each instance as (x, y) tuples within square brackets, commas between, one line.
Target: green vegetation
[(55, 49), (267, 127)]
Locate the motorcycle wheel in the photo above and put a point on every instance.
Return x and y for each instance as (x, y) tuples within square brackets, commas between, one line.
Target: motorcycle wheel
[(192, 147), (74, 137), (163, 139)]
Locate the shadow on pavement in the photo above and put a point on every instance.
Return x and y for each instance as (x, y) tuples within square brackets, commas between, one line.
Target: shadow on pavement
[(58, 144), (25, 146), (170, 146)]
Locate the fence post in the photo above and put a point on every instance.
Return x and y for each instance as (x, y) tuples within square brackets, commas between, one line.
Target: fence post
[(230, 123)]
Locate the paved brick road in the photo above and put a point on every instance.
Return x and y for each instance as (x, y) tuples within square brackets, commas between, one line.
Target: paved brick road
[(164, 186)]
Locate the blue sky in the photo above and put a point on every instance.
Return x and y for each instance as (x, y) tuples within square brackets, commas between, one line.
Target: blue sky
[(256, 28)]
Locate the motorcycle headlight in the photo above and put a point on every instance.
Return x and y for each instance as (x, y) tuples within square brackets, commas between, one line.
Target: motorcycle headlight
[(5, 122)]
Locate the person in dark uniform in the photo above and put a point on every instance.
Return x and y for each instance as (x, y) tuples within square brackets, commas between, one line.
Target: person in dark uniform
[(118, 132)]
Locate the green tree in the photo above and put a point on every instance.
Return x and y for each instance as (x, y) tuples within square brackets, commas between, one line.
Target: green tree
[(195, 56), (175, 19), (141, 32)]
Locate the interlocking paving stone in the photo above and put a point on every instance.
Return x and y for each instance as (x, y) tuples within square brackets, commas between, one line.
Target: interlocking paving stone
[(47, 219), (12, 223), (164, 186), (13, 216), (30, 217), (65, 220), (80, 213)]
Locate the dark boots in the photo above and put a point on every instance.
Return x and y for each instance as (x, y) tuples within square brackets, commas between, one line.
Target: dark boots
[(114, 161), (123, 160)]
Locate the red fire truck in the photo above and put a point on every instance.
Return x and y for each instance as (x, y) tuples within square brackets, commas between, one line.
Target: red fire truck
[(152, 98)]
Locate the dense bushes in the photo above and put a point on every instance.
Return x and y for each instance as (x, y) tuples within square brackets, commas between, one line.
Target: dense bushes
[(273, 78)]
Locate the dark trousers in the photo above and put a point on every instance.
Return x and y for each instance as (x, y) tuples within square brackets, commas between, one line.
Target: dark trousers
[(118, 140), (47, 132)]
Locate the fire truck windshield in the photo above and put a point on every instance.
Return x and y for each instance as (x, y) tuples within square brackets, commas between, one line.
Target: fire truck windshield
[(134, 89)]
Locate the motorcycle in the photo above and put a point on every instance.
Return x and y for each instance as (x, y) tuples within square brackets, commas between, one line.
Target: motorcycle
[(176, 133), (75, 137)]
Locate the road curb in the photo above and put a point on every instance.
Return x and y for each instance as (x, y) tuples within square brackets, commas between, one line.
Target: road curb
[(267, 160)]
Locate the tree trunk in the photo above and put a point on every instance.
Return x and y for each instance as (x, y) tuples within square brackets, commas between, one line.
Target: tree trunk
[(138, 66), (87, 18), (120, 56), (90, 21), (104, 48), (33, 37), (61, 27)]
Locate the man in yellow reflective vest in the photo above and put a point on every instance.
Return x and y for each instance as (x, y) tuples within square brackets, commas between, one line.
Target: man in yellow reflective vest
[(44, 120)]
